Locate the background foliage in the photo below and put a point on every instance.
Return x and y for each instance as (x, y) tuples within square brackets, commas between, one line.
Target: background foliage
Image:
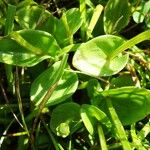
[(74, 74)]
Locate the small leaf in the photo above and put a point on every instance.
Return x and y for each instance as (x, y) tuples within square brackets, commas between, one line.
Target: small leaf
[(65, 88), (142, 13), (90, 115), (94, 57), (93, 88), (65, 119), (73, 19), (138, 17), (31, 16), (57, 28), (131, 104), (116, 16), (121, 81)]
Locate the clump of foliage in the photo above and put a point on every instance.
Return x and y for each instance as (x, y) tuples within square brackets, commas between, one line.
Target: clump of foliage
[(75, 75)]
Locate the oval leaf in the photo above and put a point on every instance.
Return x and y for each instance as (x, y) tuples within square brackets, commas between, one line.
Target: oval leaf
[(131, 104), (30, 48), (74, 20), (94, 57), (91, 114), (116, 16), (31, 16), (65, 119), (65, 88)]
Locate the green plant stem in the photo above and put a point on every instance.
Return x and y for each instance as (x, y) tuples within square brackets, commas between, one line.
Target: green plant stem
[(51, 136), (83, 16), (144, 131), (8, 29), (94, 19), (137, 142), (8, 105), (119, 128), (65, 22), (130, 43), (20, 102), (102, 139), (49, 92), (10, 19)]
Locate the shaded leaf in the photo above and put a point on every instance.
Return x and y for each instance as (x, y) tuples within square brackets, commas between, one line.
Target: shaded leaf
[(65, 119), (121, 81), (116, 16)]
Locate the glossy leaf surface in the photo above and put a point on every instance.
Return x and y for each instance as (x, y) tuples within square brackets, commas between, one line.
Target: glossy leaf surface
[(27, 47), (65, 88), (131, 104), (91, 115), (94, 56)]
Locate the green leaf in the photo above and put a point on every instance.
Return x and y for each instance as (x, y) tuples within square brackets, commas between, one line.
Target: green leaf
[(121, 81), (116, 16), (142, 13), (64, 27), (27, 47), (93, 88), (65, 88), (65, 119), (91, 115), (94, 57), (131, 104), (57, 28), (31, 16), (138, 17), (146, 11), (74, 20)]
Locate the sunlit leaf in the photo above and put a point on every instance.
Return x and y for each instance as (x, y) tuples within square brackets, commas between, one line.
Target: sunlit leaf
[(65, 88), (73, 19), (94, 56), (91, 115), (131, 104), (27, 47), (31, 16)]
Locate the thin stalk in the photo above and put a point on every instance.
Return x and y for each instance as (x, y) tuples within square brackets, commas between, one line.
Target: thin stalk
[(119, 128), (49, 92), (144, 131), (8, 29), (5, 132), (130, 43), (65, 22), (20, 102), (94, 19), (83, 16), (9, 106), (51, 136), (16, 134), (137, 142), (102, 139)]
